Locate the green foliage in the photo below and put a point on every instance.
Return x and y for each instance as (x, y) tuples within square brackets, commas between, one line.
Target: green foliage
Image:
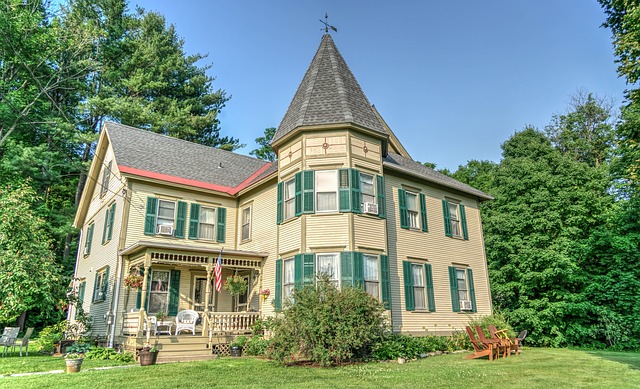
[(52, 334), (327, 325), (77, 350), (103, 354), (395, 345), (265, 151), (497, 319), (239, 341), (257, 345)]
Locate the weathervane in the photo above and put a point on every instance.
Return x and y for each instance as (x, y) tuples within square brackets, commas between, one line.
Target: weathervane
[(327, 26)]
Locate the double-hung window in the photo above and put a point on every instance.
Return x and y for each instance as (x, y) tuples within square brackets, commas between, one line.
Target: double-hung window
[(461, 280), (367, 188), (100, 285), (463, 295), (371, 275), (159, 292), (417, 273), (206, 223), (412, 210), (418, 286), (166, 214), (288, 282), (326, 183), (289, 199), (328, 264), (106, 177), (246, 224), (455, 219)]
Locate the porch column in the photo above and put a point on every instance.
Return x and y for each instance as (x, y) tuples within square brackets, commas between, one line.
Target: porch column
[(207, 297), (143, 296)]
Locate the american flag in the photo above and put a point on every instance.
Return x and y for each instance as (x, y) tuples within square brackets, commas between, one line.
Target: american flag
[(218, 272)]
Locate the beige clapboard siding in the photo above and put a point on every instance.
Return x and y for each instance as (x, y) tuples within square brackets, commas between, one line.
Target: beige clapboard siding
[(263, 236), (330, 230), (100, 257), (141, 190), (441, 252), (366, 149), (289, 153), (116, 183), (327, 163), (290, 236), (323, 146), (369, 233)]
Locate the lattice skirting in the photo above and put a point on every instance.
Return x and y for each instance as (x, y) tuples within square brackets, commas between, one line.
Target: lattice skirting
[(223, 349)]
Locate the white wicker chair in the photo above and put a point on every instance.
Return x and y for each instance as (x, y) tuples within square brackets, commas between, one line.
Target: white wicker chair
[(186, 320), (154, 324)]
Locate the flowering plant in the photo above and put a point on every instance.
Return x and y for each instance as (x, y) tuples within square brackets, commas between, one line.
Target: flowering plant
[(133, 281), (265, 293), (235, 285)]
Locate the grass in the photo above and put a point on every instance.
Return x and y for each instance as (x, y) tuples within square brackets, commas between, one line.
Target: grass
[(534, 368)]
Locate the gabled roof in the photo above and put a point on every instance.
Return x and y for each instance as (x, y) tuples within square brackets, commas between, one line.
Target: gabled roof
[(147, 154), (411, 167), (328, 94)]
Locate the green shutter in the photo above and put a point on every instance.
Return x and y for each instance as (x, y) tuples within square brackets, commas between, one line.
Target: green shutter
[(453, 284), (112, 215), (297, 271), (463, 221), (89, 240), (105, 283), (194, 219), (409, 298), (346, 269), (105, 226), (472, 290), (174, 293), (277, 299), (447, 219), (279, 203), (358, 270), (309, 269), (139, 294), (298, 193), (308, 191), (382, 206), (431, 300), (385, 281), (150, 218), (344, 191), (81, 289), (181, 219), (402, 204), (423, 212), (95, 287), (221, 227), (355, 191)]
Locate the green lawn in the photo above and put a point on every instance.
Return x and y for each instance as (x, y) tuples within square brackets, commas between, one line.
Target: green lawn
[(534, 368)]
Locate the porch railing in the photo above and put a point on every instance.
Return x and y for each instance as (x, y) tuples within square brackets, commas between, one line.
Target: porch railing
[(232, 321), (130, 325)]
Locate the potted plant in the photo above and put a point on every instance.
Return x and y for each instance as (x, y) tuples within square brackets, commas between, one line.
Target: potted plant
[(265, 293), (134, 280), (75, 356), (235, 348), (161, 316), (235, 285), (148, 355)]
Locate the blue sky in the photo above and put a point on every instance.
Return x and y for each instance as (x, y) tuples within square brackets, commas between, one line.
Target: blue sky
[(452, 79)]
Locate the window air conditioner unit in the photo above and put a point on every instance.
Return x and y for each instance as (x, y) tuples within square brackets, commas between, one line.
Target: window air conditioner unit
[(465, 305), (85, 251), (165, 230), (371, 208)]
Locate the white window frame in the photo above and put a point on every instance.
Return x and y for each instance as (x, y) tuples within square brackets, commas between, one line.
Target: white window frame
[(332, 177), (106, 178), (413, 215), (369, 282), (98, 291), (419, 289), (246, 224), (334, 276), (289, 199), (463, 285), (288, 278), (164, 307), (158, 217), (454, 217), (371, 195), (201, 223)]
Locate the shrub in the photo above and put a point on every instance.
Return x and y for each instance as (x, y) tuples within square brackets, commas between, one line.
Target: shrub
[(257, 345), (239, 341), (103, 354), (52, 334), (497, 319), (395, 346), (327, 325)]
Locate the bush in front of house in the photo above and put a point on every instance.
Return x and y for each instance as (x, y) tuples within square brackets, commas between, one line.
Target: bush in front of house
[(327, 326), (497, 319), (103, 354), (394, 345), (257, 345)]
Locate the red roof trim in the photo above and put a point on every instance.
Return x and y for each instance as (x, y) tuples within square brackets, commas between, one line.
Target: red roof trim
[(194, 183)]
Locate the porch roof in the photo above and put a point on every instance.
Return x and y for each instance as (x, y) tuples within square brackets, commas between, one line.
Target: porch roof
[(142, 245)]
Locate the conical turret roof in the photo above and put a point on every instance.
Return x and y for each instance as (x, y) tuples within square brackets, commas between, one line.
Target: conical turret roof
[(328, 94)]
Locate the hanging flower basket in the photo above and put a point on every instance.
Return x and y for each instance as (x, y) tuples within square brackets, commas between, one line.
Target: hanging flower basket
[(265, 293), (133, 281), (235, 285)]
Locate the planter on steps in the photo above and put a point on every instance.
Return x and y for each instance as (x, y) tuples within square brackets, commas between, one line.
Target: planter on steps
[(148, 357)]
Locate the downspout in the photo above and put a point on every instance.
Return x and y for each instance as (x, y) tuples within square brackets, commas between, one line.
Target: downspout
[(114, 308), (75, 271)]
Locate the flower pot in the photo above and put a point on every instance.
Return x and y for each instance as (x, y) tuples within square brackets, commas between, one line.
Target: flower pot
[(235, 351), (148, 357), (73, 365)]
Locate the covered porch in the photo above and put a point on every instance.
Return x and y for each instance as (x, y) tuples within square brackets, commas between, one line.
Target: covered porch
[(178, 296)]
